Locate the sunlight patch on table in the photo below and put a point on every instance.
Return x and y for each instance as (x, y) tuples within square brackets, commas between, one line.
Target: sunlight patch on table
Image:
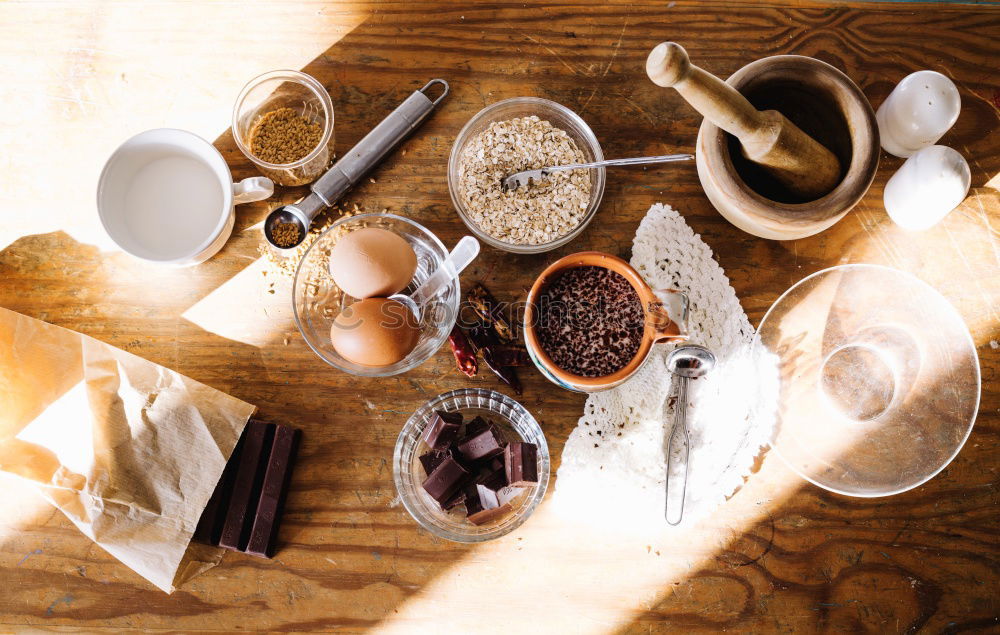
[(20, 507), (46, 450), (960, 256), (581, 578), (251, 307), (95, 74)]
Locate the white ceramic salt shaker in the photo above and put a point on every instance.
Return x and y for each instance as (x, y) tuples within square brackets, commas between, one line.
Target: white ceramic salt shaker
[(926, 187), (918, 111)]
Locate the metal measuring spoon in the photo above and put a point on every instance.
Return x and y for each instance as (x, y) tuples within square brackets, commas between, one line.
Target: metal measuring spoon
[(686, 362), (529, 177), (356, 163), (464, 252)]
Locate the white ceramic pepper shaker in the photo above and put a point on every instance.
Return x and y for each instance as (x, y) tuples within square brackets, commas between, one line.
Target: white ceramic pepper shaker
[(918, 111), (929, 184)]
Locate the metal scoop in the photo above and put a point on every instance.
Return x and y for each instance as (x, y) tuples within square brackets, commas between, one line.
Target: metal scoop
[(464, 252), (686, 362), (529, 177), (354, 165)]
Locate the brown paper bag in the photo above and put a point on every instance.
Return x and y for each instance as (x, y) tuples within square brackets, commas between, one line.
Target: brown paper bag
[(129, 450)]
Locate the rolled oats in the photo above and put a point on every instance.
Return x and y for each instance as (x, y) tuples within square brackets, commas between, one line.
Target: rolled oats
[(531, 215)]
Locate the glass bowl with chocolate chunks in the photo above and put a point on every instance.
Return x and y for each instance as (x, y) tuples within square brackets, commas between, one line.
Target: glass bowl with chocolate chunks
[(471, 465)]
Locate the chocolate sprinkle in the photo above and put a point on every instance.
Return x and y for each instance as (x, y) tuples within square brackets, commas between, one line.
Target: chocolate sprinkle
[(590, 321)]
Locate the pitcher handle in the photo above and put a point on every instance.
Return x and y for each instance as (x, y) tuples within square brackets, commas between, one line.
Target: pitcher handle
[(669, 315), (254, 188)]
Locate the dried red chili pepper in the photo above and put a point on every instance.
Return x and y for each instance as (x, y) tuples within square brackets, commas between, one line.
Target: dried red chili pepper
[(465, 354)]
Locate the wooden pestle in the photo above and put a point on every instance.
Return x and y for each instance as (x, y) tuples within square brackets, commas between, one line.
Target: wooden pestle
[(797, 160)]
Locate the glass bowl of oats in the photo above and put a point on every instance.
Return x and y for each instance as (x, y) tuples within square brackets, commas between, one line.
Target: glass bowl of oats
[(283, 122), (317, 300), (525, 133)]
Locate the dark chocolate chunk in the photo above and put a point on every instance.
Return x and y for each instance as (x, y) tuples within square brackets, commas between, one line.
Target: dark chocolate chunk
[(214, 515), (264, 533), (445, 480), (521, 464), (431, 459), (472, 502), (456, 499), (492, 475), (478, 424), (247, 486), (489, 515), (487, 497), (490, 498), (487, 506), (442, 429), (481, 445)]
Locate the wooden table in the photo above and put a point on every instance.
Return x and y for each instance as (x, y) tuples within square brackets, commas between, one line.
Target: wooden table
[(779, 556)]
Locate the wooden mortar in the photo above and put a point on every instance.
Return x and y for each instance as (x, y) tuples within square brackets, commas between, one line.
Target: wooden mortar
[(827, 106), (788, 146)]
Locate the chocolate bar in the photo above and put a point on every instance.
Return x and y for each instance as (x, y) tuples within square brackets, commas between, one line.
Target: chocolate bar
[(445, 480), (481, 444), (209, 528), (442, 429), (245, 510), (521, 464), (246, 488), (272, 496)]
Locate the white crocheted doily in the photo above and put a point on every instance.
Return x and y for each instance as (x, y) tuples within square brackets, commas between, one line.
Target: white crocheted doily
[(614, 460)]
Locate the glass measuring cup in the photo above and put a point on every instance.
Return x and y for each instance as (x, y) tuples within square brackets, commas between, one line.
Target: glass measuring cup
[(286, 89)]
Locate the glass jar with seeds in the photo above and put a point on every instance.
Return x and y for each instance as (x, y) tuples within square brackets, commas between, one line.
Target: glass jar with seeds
[(283, 122)]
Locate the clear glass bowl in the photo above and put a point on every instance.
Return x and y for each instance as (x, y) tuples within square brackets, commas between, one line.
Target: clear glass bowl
[(286, 89), (560, 117), (516, 424), (317, 300), (878, 379)]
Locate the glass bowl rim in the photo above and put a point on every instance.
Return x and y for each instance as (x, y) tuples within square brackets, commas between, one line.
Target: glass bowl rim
[(756, 344)]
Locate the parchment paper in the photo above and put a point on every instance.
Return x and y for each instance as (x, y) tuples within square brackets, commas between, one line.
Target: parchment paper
[(129, 450)]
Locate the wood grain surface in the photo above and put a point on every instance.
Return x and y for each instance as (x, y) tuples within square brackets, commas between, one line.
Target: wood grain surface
[(781, 555)]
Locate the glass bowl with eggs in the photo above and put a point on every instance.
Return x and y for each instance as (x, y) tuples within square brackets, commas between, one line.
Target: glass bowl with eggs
[(341, 295)]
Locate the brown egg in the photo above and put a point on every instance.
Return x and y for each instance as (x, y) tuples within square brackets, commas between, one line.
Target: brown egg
[(372, 262), (375, 332)]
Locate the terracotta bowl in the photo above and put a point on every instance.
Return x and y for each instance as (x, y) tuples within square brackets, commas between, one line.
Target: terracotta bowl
[(825, 104), (665, 320)]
